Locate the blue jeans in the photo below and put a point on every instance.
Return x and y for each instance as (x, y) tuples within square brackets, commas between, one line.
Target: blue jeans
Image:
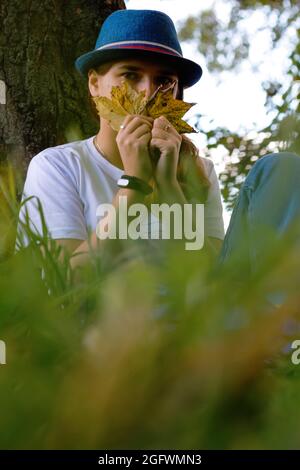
[(268, 205)]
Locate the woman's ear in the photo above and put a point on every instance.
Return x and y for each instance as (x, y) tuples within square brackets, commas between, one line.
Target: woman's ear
[(93, 82)]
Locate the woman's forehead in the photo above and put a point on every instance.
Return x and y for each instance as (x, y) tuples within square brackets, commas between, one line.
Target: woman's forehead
[(145, 65)]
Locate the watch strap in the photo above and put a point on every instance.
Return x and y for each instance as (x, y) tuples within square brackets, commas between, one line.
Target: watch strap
[(133, 182)]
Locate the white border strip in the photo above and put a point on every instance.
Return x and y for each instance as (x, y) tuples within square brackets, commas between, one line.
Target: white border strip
[(2, 92)]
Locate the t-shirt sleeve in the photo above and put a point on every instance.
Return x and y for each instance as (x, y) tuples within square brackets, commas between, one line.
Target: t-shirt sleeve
[(50, 180), (213, 210)]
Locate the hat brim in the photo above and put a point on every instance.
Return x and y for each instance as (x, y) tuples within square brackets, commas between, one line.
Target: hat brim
[(189, 72)]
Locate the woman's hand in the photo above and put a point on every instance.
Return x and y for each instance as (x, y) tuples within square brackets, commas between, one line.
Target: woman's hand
[(166, 139), (133, 141)]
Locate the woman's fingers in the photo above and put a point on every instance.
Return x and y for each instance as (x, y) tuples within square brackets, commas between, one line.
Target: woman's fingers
[(163, 123), (132, 122), (142, 130), (160, 134), (163, 129)]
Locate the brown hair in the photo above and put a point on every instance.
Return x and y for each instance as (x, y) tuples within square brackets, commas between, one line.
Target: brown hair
[(191, 172)]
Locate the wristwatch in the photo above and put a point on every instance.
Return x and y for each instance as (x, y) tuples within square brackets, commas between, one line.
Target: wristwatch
[(133, 182)]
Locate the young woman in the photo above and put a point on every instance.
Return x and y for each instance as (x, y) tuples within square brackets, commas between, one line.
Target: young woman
[(72, 180)]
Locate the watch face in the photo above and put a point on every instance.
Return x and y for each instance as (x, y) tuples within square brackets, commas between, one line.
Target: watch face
[(123, 182)]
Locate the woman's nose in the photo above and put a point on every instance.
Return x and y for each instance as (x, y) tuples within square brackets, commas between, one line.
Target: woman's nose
[(147, 84)]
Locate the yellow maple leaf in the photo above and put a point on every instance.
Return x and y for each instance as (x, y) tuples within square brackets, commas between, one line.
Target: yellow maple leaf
[(125, 101), (110, 111), (165, 105), (130, 100)]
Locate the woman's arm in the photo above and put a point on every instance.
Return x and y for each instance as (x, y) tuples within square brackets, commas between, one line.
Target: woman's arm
[(133, 143), (80, 250)]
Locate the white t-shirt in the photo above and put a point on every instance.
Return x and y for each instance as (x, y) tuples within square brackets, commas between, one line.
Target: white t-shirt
[(73, 179)]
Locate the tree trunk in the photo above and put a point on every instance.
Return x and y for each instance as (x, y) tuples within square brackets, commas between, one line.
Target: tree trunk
[(43, 99)]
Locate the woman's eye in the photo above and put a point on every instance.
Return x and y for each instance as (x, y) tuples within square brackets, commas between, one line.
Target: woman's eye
[(165, 81), (130, 75)]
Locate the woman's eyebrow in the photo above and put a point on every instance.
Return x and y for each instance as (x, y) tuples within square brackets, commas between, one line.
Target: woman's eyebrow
[(134, 68)]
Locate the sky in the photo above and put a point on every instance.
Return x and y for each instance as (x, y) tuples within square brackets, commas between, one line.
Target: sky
[(235, 101)]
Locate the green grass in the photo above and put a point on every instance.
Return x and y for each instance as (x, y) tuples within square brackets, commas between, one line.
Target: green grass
[(105, 362)]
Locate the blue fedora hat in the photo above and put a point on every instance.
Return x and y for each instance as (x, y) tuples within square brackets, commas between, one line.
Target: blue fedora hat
[(148, 33)]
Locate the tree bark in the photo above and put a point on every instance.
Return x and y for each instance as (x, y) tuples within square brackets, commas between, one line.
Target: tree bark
[(43, 99)]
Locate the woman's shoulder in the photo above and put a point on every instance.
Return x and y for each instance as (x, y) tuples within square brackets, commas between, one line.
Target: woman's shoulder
[(61, 161), (66, 151), (69, 156)]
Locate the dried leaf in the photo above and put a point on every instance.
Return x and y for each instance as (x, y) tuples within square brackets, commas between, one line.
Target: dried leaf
[(125, 101), (165, 105), (111, 111), (130, 100)]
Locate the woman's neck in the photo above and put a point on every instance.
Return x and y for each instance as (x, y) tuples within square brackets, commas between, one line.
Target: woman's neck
[(107, 145)]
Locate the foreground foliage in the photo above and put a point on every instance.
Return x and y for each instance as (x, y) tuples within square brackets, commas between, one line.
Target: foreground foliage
[(138, 354)]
